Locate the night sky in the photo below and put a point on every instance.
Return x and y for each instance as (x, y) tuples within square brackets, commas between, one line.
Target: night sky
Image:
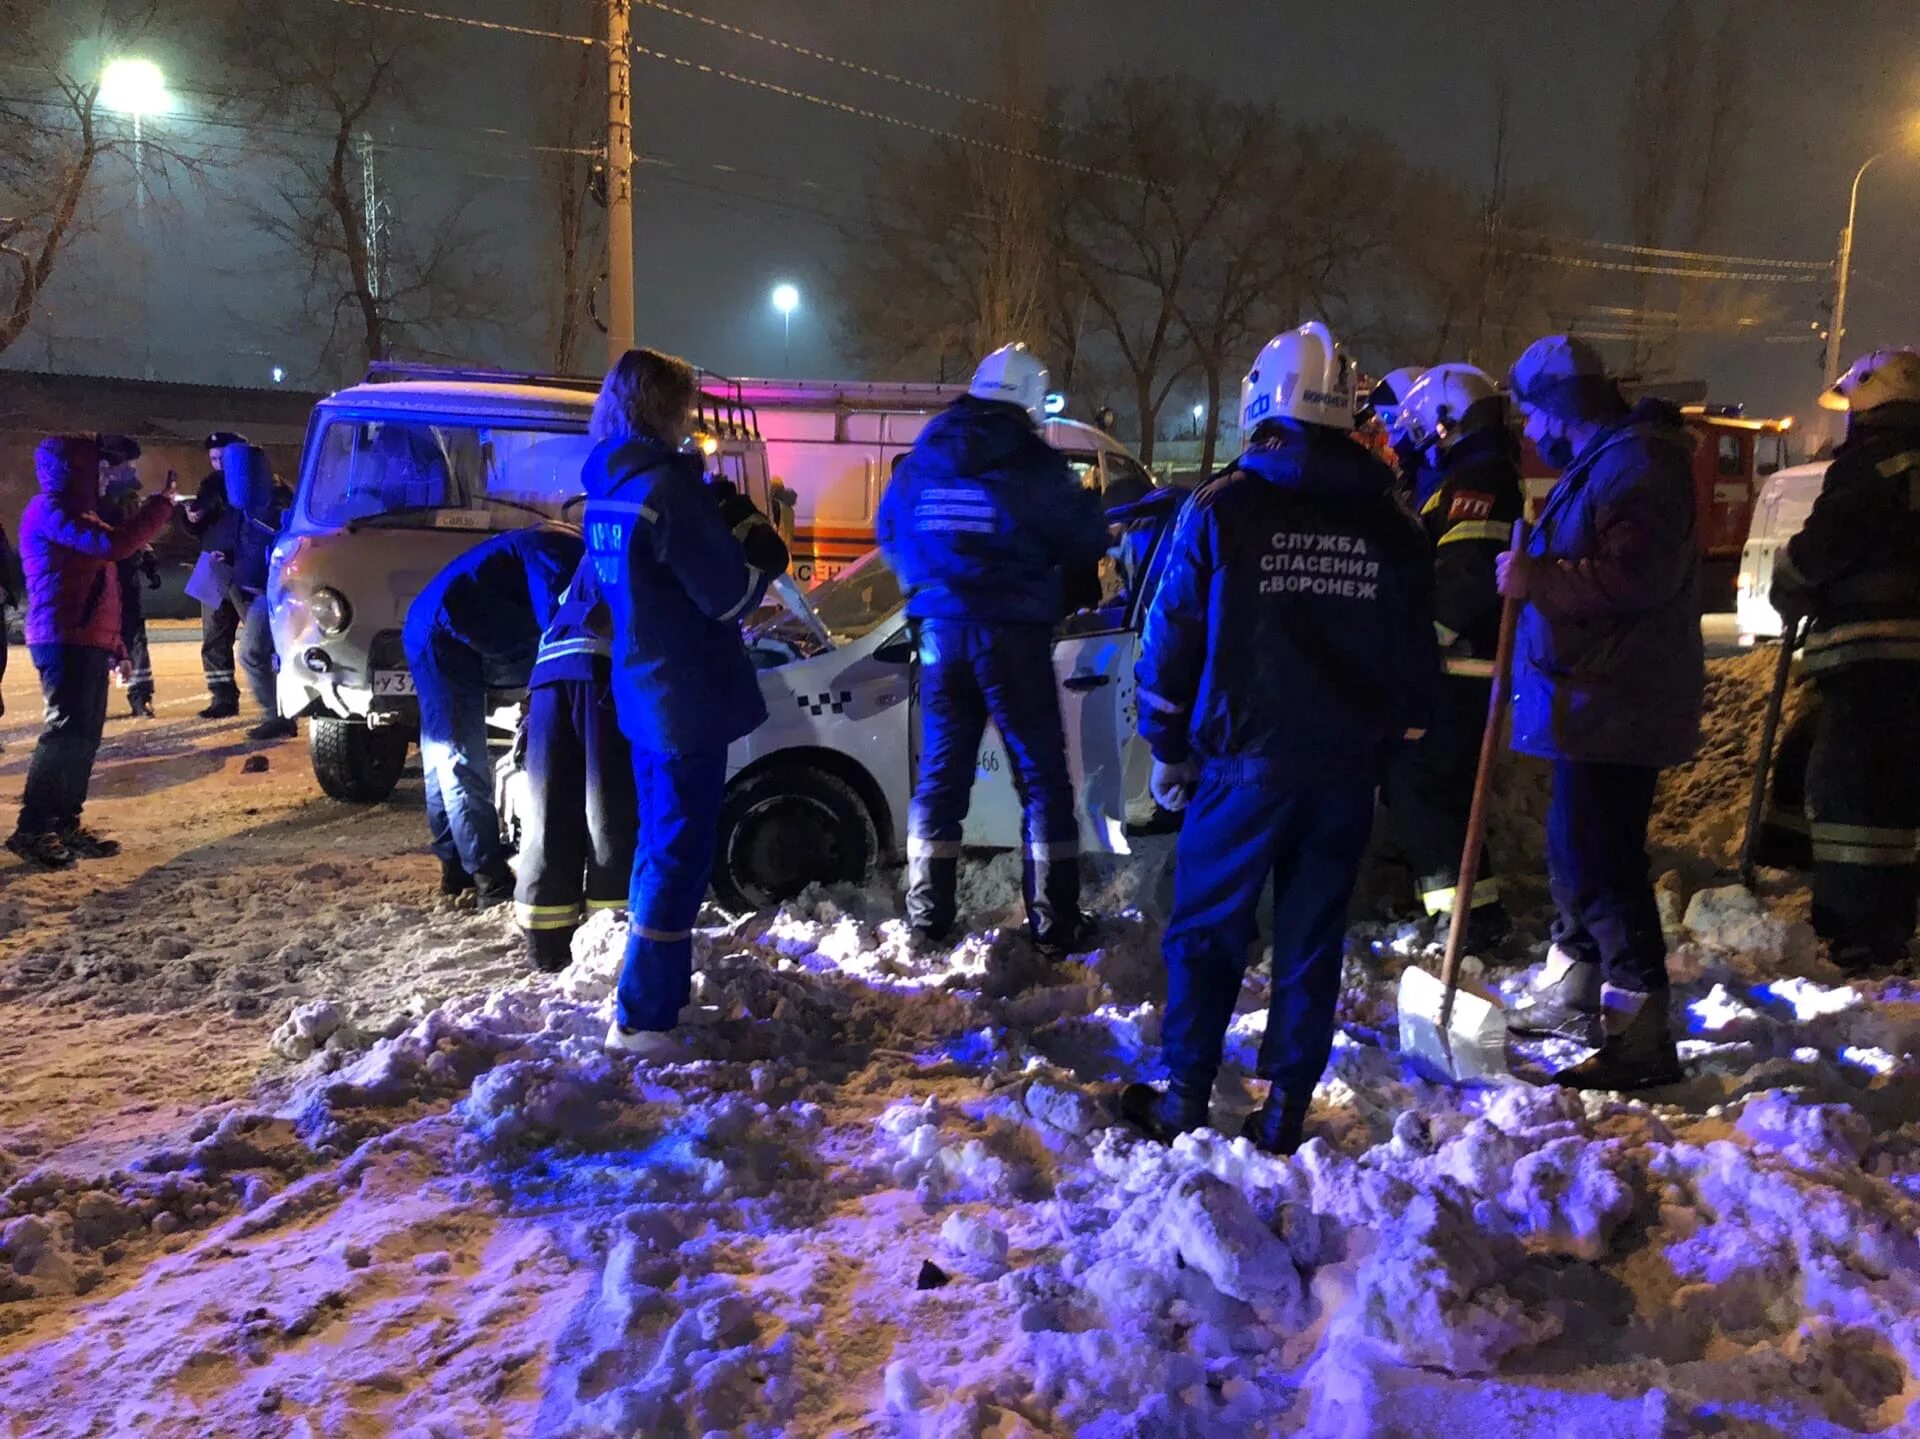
[(756, 186)]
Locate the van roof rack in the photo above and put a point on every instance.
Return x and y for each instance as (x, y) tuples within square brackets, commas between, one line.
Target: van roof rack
[(381, 372), (721, 405)]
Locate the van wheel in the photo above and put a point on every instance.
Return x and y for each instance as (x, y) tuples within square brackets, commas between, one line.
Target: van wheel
[(354, 761), (785, 828)]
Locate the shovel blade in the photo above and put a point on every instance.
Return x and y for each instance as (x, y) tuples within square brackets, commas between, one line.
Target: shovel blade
[(1472, 1049)]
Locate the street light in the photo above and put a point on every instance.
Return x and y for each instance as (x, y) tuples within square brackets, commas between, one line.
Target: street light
[(1198, 411), (1837, 331), (786, 299), (136, 88)]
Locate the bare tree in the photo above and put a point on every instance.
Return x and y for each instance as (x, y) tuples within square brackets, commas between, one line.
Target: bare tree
[(383, 278), (571, 86), (55, 136)]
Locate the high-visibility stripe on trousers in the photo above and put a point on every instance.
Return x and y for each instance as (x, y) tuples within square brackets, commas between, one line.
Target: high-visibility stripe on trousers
[(970, 673), (577, 837), (1863, 805), (678, 798)]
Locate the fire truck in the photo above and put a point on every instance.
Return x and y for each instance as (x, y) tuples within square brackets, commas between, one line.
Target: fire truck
[(1732, 458)]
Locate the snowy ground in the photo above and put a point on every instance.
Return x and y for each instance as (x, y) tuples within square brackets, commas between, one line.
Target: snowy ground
[(289, 1147)]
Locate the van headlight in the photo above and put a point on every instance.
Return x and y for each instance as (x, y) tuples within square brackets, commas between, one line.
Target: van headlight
[(330, 611)]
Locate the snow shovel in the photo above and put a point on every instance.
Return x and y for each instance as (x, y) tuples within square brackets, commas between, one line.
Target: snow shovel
[(1463, 1037), (1763, 762)]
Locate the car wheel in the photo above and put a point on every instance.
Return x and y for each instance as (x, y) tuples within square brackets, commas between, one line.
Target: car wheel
[(354, 761), (785, 828)]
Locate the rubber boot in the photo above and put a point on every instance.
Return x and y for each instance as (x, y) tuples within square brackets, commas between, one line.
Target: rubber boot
[(549, 950), (1163, 1115), (1638, 1050), (933, 886), (1278, 1125), (492, 889), (1562, 1003)]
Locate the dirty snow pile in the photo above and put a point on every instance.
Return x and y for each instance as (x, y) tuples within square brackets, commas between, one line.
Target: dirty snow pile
[(886, 1196)]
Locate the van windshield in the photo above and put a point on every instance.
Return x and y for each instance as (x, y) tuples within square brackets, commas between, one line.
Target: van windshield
[(861, 596), (417, 472)]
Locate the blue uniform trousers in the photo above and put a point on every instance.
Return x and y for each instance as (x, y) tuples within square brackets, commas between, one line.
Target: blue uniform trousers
[(461, 818), (1242, 826), (678, 797), (968, 674)]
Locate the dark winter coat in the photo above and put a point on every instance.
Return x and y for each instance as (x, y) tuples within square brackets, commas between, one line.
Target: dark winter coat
[(13, 583), (577, 642), (70, 554), (1855, 565), (1473, 497), (679, 564), (983, 521), (252, 517), (497, 598), (1292, 628), (1608, 665), (215, 527)]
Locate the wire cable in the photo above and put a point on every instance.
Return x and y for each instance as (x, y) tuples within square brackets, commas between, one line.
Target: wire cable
[(856, 67), (1757, 277), (473, 23), (1619, 247)]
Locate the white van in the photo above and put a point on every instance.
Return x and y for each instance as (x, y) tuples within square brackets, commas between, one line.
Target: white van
[(832, 445), (400, 474), (1786, 499)]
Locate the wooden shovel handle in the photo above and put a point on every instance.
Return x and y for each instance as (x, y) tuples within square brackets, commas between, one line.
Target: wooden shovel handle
[(1482, 784)]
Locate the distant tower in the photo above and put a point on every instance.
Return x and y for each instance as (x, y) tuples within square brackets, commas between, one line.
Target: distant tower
[(376, 221)]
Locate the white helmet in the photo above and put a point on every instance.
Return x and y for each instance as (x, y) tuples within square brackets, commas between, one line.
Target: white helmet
[(1301, 375), (1432, 411), (1013, 375), (1880, 377), (1390, 394)]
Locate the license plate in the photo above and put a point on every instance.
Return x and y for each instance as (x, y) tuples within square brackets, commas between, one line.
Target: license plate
[(392, 682)]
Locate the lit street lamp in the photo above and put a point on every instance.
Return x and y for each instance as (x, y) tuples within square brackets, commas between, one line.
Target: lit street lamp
[(786, 299), (1198, 411), (1837, 331), (136, 88)]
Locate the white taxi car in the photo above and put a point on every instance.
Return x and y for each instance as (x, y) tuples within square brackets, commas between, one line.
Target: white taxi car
[(820, 791)]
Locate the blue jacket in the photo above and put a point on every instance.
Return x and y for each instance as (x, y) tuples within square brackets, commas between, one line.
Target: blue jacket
[(675, 567), (1291, 633), (252, 522), (1608, 664), (576, 643), (497, 598), (983, 520)]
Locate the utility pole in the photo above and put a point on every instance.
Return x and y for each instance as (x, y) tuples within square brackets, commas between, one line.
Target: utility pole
[(620, 314)]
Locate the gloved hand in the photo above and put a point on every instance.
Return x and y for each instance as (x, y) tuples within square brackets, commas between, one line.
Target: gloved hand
[(1510, 574), (1172, 784)]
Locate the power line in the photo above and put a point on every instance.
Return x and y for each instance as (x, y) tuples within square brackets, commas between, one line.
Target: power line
[(1757, 277), (1825, 266), (473, 23), (854, 66), (862, 112)]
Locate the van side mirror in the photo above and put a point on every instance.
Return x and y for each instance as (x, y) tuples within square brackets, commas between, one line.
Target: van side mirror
[(899, 650)]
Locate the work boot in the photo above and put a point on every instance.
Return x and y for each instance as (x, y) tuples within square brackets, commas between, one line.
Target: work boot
[(1563, 1002), (492, 889), (48, 850), (549, 950), (1063, 940), (1163, 1115), (1277, 1125), (221, 709), (454, 879), (83, 843), (274, 728), (142, 709), (1637, 1051)]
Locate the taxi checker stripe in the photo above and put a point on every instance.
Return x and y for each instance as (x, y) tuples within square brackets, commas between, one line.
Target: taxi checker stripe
[(1478, 530)]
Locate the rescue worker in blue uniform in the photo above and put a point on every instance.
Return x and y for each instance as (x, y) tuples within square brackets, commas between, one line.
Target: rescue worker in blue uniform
[(254, 519), (679, 563), (1855, 569), (476, 627), (1469, 463), (1609, 674), (1289, 650), (576, 847), (986, 529)]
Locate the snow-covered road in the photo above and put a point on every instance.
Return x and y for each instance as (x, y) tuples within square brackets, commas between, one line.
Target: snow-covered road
[(290, 1147)]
